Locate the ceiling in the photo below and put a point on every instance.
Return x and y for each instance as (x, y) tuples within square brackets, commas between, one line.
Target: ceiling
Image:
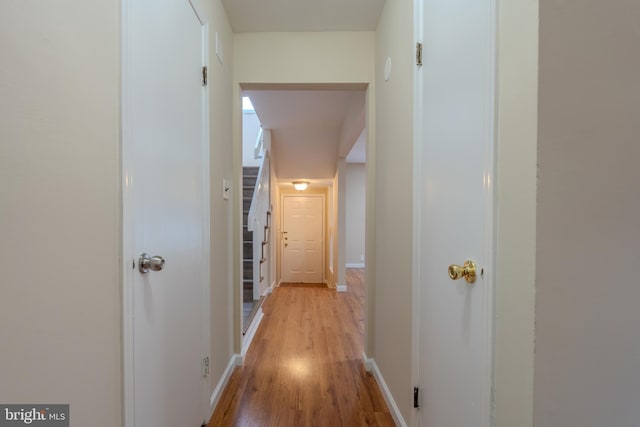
[(310, 129), (303, 15)]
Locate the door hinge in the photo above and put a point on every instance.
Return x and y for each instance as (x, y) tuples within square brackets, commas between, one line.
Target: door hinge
[(205, 366), (204, 75), (419, 54), (416, 397)]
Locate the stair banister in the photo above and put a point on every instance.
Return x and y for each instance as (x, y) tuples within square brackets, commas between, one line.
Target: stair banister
[(256, 221), (258, 149)]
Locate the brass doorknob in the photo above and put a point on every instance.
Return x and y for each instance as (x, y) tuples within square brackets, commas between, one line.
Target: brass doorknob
[(468, 271)]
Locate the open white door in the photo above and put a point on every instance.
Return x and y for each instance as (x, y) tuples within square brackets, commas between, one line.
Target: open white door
[(302, 238), (165, 213), (455, 212)]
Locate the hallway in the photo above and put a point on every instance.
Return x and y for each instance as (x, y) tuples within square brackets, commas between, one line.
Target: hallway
[(304, 367)]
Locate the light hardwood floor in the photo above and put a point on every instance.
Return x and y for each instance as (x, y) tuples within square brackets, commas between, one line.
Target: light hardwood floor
[(304, 367)]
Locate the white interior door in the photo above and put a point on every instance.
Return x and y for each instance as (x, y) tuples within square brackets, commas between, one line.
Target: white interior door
[(165, 201), (302, 239), (456, 211)]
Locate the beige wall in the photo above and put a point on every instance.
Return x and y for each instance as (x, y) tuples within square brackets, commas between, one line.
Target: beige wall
[(516, 171), (355, 212), (221, 151), (587, 317), (60, 303), (392, 344), (60, 206), (327, 57)]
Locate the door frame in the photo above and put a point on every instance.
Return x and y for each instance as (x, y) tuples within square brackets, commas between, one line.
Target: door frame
[(324, 227), (128, 256), (489, 210)]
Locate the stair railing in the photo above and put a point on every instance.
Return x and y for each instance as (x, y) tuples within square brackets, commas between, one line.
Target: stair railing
[(258, 221), (258, 148)]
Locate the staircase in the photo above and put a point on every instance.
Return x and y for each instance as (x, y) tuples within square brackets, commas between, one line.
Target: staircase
[(249, 176)]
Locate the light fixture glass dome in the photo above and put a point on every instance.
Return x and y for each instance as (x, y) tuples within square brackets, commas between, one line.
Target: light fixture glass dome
[(300, 185)]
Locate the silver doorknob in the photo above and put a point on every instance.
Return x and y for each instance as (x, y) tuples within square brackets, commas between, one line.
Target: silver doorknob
[(155, 263)]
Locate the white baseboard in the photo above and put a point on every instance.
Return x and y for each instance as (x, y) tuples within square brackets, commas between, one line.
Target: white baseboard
[(354, 265), (330, 285), (371, 366), (341, 288), (268, 291), (235, 360), (368, 363), (248, 336)]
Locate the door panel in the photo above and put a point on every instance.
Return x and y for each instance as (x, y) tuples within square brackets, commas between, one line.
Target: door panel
[(302, 242), (164, 139), (456, 162)]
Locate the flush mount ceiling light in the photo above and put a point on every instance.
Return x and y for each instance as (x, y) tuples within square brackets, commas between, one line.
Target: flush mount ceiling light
[(300, 185)]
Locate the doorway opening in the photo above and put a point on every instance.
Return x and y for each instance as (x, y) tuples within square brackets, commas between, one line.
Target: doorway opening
[(306, 133), (256, 213)]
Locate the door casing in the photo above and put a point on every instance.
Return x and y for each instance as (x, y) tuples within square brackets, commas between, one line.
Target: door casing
[(128, 255), (324, 226), (488, 208)]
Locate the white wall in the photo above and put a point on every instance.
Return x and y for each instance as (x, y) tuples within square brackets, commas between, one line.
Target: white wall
[(353, 124), (60, 304), (355, 198), (60, 206), (332, 241), (587, 317), (392, 345), (274, 237), (250, 130), (341, 234)]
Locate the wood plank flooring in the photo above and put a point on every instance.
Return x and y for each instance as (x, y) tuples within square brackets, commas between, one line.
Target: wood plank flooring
[(304, 367)]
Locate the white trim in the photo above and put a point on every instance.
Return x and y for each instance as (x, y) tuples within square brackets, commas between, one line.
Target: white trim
[(354, 265), (251, 332), (489, 215), (341, 288), (197, 9), (324, 228), (330, 285), (416, 328), (368, 363), (269, 290), (236, 360), (128, 354), (127, 222), (206, 211), (371, 366)]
